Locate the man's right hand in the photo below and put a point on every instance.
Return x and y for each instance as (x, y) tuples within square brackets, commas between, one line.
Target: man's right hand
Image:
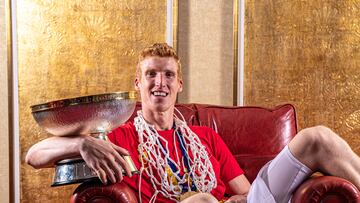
[(105, 158), (101, 156)]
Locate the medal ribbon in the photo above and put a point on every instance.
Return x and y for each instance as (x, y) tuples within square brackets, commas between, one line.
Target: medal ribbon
[(185, 157)]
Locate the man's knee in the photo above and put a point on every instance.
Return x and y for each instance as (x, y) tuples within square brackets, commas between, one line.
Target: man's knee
[(314, 144), (319, 136)]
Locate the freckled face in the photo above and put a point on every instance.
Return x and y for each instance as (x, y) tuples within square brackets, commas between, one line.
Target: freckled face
[(158, 83)]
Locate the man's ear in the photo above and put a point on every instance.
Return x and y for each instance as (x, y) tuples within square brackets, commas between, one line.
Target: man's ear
[(136, 83), (180, 86)]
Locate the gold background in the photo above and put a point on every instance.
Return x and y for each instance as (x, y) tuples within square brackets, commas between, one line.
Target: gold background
[(72, 48), (306, 53)]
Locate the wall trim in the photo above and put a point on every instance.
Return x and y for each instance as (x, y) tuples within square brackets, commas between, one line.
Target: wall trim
[(238, 47), (14, 142), (172, 22), (241, 53)]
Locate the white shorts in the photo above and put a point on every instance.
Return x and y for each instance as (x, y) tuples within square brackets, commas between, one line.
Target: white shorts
[(277, 180)]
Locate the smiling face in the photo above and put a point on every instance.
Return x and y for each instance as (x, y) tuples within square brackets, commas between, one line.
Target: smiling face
[(158, 83)]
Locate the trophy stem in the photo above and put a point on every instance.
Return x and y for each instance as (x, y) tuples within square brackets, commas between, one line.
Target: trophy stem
[(101, 135)]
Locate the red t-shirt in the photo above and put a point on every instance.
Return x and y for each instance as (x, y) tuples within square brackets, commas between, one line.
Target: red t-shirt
[(224, 164)]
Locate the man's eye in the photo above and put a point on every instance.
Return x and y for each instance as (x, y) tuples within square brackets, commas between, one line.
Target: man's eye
[(151, 74), (170, 74)]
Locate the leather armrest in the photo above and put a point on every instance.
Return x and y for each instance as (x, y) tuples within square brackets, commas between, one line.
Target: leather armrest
[(96, 192), (326, 189)]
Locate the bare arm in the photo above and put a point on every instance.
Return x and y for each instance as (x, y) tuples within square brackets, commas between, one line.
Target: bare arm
[(47, 152), (240, 186), (101, 156)]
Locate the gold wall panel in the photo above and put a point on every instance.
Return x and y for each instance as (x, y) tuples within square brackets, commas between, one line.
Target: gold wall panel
[(73, 48), (306, 53), (205, 46)]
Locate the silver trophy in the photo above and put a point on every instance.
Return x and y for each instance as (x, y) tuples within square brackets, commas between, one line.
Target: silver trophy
[(94, 115)]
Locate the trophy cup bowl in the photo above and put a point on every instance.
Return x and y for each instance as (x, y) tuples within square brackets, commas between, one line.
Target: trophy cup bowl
[(93, 115)]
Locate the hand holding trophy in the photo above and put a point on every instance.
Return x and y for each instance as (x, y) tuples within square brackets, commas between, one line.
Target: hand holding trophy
[(93, 115)]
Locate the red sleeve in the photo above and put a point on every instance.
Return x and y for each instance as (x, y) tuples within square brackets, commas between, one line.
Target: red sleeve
[(123, 135), (229, 167), (111, 137)]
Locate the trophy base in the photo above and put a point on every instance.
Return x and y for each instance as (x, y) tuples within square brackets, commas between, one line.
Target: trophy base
[(56, 184), (72, 171)]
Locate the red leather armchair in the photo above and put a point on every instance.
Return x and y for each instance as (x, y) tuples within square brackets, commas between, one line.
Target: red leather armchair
[(254, 135)]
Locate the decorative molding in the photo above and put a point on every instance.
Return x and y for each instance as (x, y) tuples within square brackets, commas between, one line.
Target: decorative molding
[(241, 52), (236, 51), (238, 46), (172, 22)]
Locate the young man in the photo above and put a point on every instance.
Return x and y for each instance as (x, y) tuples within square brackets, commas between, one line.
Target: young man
[(181, 163)]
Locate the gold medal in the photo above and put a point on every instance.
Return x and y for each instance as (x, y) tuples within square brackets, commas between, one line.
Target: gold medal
[(171, 177), (143, 158)]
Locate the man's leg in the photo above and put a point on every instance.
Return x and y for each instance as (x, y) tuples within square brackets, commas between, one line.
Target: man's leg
[(278, 179), (320, 149)]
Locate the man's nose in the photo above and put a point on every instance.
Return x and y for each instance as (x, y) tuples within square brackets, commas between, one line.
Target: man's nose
[(159, 80)]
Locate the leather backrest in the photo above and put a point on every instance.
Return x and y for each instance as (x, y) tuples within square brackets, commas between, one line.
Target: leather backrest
[(254, 135)]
